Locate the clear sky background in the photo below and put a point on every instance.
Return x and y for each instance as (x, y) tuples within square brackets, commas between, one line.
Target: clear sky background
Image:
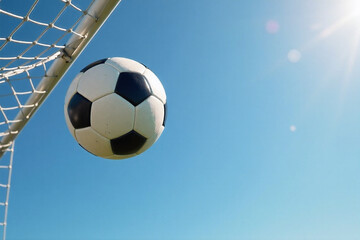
[(262, 137)]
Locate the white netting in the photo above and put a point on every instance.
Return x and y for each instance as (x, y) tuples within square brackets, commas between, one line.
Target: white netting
[(27, 45), (5, 181), (28, 42), (39, 40)]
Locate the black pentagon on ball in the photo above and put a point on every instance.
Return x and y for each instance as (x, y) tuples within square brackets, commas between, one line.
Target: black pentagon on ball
[(128, 143), (79, 109), (132, 86), (93, 64)]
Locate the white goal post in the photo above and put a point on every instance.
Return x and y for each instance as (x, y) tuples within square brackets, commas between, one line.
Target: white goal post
[(53, 61)]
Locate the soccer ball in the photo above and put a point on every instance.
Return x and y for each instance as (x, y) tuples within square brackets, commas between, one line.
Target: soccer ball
[(115, 108)]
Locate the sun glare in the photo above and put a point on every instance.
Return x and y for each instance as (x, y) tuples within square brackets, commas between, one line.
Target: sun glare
[(353, 7), (349, 17), (344, 30)]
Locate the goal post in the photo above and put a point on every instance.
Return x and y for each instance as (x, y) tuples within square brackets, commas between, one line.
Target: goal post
[(28, 77)]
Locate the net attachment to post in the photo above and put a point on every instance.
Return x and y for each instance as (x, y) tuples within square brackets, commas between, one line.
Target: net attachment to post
[(37, 46)]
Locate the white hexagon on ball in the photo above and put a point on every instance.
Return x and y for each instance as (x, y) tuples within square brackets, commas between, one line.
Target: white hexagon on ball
[(156, 86), (126, 65), (112, 116), (89, 85), (93, 142), (149, 117)]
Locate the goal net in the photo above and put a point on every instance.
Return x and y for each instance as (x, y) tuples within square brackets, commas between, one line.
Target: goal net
[(39, 41)]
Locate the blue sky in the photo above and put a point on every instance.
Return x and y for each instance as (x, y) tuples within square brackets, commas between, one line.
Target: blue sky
[(257, 146)]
